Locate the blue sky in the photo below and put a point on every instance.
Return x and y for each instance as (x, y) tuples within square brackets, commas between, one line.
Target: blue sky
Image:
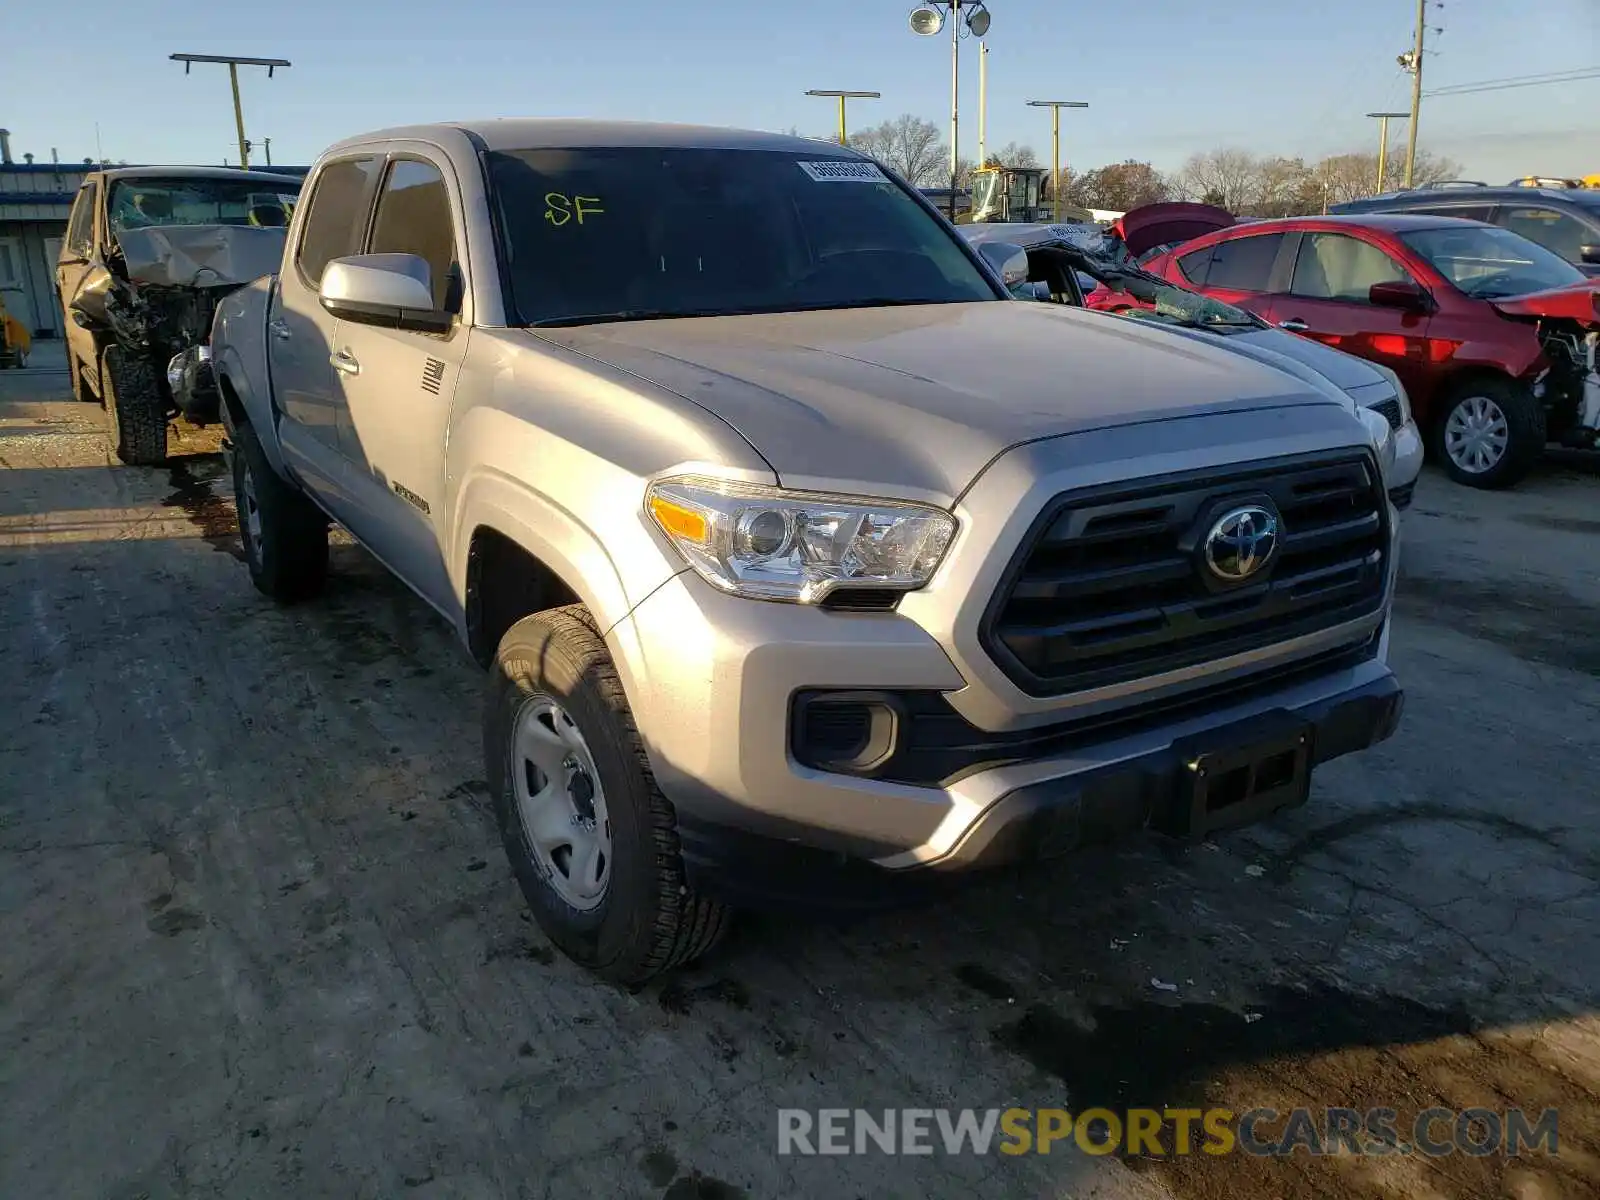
[(1165, 78)]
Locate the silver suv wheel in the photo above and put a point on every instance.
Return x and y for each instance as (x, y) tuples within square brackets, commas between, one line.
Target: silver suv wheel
[(561, 803)]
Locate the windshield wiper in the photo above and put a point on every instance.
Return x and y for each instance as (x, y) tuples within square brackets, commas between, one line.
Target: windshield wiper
[(624, 314)]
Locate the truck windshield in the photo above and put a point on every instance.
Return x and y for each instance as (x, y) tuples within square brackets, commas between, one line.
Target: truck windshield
[(608, 234), (1490, 263), (141, 203)]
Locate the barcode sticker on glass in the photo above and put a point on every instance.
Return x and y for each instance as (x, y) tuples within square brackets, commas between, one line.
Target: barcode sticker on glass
[(844, 172)]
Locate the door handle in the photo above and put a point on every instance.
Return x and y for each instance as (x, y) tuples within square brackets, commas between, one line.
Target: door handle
[(345, 362), (1294, 325), (280, 330)]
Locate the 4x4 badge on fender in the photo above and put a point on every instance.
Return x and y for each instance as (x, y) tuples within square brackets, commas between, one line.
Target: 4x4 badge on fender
[(1241, 542)]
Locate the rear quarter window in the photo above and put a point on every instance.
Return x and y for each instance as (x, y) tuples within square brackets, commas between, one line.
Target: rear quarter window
[(1194, 266)]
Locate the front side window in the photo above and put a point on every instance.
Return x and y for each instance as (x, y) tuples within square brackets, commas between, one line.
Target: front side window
[(141, 203), (80, 229), (1488, 262), (337, 219), (1562, 235), (1334, 266), (1244, 264), (414, 218), (613, 234)]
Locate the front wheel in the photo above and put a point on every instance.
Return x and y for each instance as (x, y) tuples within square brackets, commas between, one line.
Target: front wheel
[(1490, 434), (136, 417), (285, 536), (591, 839)]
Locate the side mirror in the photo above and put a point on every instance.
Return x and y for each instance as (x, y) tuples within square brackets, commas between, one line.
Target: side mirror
[(395, 290), (1589, 254), (1400, 293), (1008, 259)]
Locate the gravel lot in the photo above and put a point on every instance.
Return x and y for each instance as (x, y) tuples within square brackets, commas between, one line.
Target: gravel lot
[(258, 939)]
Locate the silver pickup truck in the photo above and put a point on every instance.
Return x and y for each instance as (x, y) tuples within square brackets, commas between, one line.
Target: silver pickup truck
[(808, 566)]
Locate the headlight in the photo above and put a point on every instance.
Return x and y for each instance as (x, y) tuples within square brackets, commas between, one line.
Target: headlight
[(1399, 391), (798, 546)]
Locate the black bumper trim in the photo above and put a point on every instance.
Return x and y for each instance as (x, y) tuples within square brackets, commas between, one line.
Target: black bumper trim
[(1061, 815), (776, 871)]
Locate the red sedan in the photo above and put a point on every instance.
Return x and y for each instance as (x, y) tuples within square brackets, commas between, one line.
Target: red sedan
[(1494, 337)]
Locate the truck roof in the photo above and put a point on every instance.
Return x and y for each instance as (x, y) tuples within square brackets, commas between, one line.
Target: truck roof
[(531, 133), (148, 172)]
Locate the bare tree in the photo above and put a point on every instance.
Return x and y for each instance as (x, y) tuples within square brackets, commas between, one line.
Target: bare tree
[(1013, 154), (910, 146), (1228, 178), (1121, 186)]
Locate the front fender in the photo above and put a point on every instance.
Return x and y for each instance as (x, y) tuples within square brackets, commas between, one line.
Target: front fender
[(610, 571), (239, 361)]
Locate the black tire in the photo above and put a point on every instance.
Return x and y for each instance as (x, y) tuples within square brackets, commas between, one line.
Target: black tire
[(287, 552), (136, 414), (1525, 432), (647, 921)]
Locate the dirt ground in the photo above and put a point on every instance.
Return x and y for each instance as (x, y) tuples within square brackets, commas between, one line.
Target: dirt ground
[(258, 939)]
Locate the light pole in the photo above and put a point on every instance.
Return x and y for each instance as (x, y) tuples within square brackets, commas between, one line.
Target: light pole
[(1055, 107), (234, 63), (926, 20), (1383, 142), (842, 97)]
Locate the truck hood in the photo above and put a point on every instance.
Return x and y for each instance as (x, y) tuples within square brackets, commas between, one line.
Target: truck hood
[(201, 255), (1579, 302), (918, 399)]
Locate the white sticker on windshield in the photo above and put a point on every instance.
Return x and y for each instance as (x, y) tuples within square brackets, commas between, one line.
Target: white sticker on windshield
[(844, 172)]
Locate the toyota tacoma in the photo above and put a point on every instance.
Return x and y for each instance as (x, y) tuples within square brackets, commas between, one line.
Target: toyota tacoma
[(804, 562)]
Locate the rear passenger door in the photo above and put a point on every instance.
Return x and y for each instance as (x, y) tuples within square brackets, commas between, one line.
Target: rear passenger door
[(1243, 271), (398, 383), (1327, 300)]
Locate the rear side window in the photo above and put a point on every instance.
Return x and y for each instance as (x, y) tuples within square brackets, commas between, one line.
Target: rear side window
[(1333, 266), (1244, 264), (414, 218), (1194, 266), (1465, 212), (337, 217), (80, 229), (1555, 231)]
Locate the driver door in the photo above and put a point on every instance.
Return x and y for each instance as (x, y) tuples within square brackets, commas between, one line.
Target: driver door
[(1327, 301)]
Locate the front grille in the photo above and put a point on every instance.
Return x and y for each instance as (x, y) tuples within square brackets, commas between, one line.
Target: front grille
[(1109, 585), (1391, 413)]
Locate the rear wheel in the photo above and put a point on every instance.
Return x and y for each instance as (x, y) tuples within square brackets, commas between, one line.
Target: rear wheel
[(136, 417), (285, 536), (590, 837), (1490, 433)]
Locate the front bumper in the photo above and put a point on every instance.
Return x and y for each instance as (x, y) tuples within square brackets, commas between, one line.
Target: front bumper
[(1408, 453), (712, 679)]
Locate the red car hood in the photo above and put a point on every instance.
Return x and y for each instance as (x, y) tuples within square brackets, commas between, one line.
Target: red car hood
[(1579, 302), (1157, 224)]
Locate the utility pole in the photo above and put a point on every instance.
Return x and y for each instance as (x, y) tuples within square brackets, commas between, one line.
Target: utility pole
[(267, 142), (1383, 142), (841, 97), (983, 104), (234, 62), (1416, 90), (1055, 107)]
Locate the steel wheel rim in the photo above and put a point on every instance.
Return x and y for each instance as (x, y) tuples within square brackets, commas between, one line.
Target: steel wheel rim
[(1476, 435), (560, 802), (252, 512)]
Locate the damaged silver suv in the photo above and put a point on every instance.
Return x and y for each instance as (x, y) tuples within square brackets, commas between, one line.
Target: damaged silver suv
[(148, 253)]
